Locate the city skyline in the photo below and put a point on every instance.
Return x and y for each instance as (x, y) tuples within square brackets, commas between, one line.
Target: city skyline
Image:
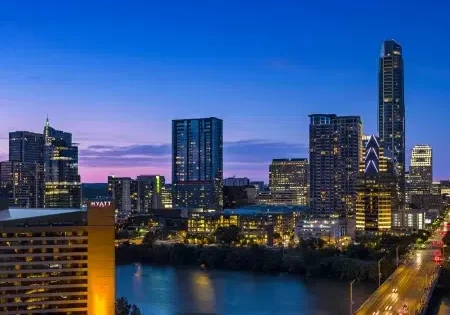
[(118, 94)]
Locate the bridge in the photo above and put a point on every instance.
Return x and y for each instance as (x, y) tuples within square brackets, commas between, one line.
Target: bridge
[(408, 290)]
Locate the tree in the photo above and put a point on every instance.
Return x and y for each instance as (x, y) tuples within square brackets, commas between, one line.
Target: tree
[(135, 310), (149, 238), (123, 307), (227, 235)]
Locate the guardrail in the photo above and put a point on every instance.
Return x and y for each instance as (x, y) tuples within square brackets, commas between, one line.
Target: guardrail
[(428, 292)]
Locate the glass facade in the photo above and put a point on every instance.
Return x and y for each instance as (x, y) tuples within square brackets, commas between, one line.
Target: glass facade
[(391, 108), (62, 181), (420, 177), (22, 177), (197, 163)]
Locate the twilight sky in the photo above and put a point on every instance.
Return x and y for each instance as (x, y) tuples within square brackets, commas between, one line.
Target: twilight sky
[(115, 73)]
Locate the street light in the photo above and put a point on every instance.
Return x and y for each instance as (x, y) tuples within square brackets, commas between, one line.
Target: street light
[(351, 297), (396, 251), (379, 272)]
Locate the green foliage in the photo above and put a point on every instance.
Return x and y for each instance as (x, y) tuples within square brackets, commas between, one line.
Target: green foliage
[(325, 262), (123, 307), (149, 238), (227, 235)]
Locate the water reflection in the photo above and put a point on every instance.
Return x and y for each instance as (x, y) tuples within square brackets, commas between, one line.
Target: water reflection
[(203, 291), (170, 291)]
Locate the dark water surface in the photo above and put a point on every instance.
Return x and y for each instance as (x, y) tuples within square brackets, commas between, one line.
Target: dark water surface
[(173, 291)]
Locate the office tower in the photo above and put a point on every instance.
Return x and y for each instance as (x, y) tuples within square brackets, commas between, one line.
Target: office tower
[(22, 179), (58, 261), (391, 108), (376, 190), (62, 181), (197, 163), (124, 192), (22, 184), (290, 174), (149, 192), (420, 177), (26, 147), (236, 181), (335, 145)]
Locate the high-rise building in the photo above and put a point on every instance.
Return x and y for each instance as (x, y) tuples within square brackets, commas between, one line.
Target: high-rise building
[(236, 181), (136, 195), (22, 179), (335, 151), (26, 147), (290, 174), (166, 196), (197, 163), (259, 185), (124, 192), (149, 192), (420, 177), (391, 109), (22, 184), (376, 190), (62, 181), (58, 261)]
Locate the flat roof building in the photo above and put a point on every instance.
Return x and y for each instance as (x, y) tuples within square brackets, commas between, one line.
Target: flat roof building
[(57, 261)]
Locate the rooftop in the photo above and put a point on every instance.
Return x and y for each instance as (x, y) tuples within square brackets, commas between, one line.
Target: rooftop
[(27, 213)]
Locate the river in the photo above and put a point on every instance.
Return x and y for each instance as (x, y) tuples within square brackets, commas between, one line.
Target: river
[(181, 291)]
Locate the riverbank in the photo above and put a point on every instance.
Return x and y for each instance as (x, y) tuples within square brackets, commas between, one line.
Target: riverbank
[(310, 263)]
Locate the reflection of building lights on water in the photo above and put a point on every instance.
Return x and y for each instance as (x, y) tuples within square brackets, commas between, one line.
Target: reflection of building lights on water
[(138, 272)]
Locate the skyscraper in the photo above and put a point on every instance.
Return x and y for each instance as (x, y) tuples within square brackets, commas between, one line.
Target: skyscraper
[(420, 177), (62, 181), (124, 192), (335, 144), (290, 174), (391, 108), (22, 177), (197, 163), (150, 192), (26, 147), (376, 189)]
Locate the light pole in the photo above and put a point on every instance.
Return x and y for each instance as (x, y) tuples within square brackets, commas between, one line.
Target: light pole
[(379, 272), (351, 297), (396, 251)]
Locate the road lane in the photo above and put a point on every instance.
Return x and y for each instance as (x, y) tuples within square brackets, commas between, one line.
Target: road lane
[(405, 286)]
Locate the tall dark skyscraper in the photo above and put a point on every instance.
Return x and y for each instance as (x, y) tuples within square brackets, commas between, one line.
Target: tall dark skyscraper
[(22, 177), (26, 147), (335, 144), (197, 163), (62, 181), (391, 108)]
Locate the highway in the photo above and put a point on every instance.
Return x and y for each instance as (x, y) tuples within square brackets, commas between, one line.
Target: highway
[(403, 291)]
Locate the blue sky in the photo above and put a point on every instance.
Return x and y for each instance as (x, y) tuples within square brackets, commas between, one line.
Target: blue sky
[(115, 73)]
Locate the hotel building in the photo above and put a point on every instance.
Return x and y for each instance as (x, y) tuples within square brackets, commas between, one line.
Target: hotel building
[(57, 261)]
